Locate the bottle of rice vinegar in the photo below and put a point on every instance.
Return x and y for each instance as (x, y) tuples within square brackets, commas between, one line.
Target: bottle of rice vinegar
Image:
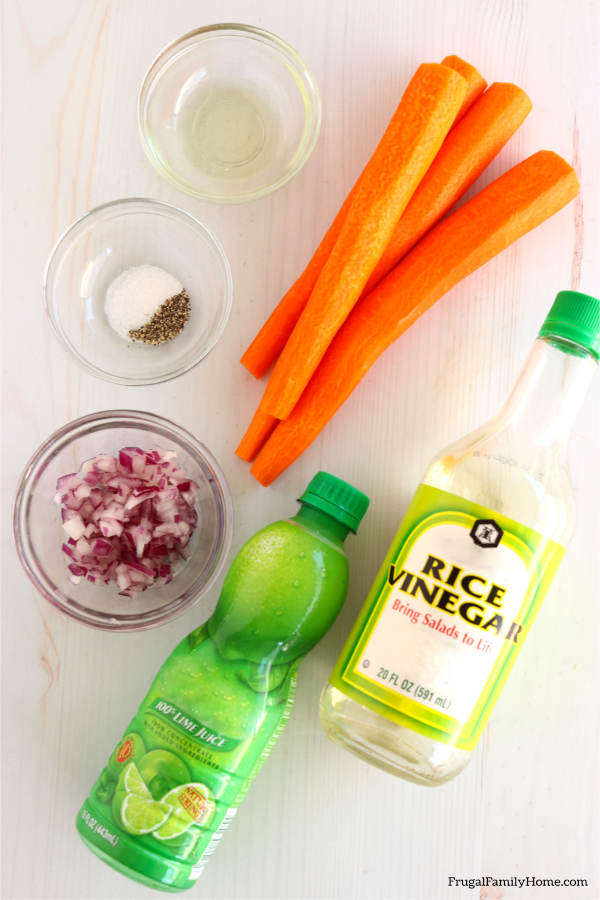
[(461, 585)]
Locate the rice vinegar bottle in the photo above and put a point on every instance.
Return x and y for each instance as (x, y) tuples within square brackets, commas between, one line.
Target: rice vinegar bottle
[(457, 593)]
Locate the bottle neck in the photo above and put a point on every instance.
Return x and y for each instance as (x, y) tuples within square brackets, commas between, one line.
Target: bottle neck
[(321, 524), (546, 399)]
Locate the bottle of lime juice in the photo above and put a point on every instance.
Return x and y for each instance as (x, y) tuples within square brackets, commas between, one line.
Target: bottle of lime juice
[(219, 702), (465, 576)]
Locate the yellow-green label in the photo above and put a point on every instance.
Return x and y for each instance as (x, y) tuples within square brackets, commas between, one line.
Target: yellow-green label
[(445, 620)]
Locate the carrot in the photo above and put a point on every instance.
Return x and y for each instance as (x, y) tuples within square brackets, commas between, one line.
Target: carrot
[(502, 212), (272, 337), (476, 84), (260, 429), (405, 152), (467, 151)]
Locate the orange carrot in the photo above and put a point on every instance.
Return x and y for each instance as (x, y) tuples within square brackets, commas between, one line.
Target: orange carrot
[(502, 212), (405, 152), (467, 151), (259, 431), (272, 337), (476, 84)]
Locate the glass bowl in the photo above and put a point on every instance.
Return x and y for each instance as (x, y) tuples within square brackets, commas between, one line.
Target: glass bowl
[(39, 534), (101, 245), (228, 113)]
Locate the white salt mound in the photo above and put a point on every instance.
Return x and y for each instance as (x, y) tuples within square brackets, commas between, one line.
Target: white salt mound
[(136, 295)]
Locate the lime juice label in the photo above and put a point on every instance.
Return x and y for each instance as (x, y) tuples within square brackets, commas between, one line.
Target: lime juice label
[(175, 779), (444, 622)]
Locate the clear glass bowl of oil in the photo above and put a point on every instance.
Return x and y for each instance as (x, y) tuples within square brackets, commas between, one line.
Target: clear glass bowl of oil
[(228, 113)]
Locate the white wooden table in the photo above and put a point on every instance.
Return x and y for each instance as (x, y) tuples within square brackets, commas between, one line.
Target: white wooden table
[(318, 823)]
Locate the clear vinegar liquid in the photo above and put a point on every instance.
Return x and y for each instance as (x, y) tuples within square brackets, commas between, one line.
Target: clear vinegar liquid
[(227, 131), (515, 464)]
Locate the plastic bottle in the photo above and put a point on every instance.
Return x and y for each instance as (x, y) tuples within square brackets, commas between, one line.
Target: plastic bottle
[(219, 702), (464, 578)]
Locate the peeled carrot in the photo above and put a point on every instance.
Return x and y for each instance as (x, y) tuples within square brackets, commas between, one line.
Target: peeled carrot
[(476, 84), (502, 212), (259, 431), (405, 152), (272, 337), (468, 149)]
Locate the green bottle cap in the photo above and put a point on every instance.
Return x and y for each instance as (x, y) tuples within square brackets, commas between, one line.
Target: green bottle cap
[(337, 498), (576, 317)]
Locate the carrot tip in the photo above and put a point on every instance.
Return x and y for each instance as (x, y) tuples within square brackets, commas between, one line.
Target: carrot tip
[(262, 478), (259, 431)]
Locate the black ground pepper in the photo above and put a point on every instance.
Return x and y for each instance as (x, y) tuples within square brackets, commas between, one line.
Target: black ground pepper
[(166, 323)]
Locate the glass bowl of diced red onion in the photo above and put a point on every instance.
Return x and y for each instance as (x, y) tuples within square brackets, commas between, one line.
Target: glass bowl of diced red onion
[(123, 520)]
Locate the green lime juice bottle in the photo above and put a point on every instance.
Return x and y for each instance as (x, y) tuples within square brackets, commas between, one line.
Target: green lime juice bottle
[(221, 699)]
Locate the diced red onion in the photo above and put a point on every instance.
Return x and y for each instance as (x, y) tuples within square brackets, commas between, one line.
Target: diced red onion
[(74, 526), (67, 482), (120, 510), (101, 548)]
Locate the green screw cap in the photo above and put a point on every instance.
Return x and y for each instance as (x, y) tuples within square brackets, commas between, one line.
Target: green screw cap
[(337, 498), (576, 317)]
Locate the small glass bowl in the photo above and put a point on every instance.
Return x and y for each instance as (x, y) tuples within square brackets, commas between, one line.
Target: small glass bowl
[(96, 249), (39, 534), (228, 113)]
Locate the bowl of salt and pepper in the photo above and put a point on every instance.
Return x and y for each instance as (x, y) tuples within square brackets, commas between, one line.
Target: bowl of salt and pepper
[(138, 291)]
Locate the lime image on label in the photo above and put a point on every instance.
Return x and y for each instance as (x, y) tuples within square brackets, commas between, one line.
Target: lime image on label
[(131, 749), (161, 770), (132, 782), (141, 815), (192, 804)]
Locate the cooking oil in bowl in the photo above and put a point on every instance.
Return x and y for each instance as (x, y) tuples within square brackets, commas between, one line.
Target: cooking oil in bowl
[(228, 131), (228, 113)]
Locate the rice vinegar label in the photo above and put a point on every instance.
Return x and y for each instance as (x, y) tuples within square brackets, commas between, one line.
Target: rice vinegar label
[(447, 616)]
